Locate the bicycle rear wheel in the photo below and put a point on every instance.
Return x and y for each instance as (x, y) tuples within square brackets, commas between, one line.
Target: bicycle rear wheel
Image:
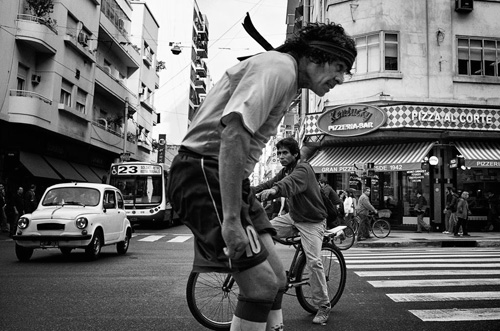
[(212, 299), (381, 228), (346, 240), (335, 274)]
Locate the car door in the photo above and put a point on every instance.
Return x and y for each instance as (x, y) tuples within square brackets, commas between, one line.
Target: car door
[(111, 222)]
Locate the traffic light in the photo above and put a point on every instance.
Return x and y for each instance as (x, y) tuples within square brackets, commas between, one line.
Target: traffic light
[(461, 162)]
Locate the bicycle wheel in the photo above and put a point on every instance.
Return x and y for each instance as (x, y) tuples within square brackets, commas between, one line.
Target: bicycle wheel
[(346, 240), (335, 274), (212, 299), (354, 224), (381, 228)]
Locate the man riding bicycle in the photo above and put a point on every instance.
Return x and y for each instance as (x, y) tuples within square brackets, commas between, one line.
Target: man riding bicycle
[(307, 215)]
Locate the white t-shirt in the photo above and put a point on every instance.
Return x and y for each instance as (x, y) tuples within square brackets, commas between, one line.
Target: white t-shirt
[(260, 90)]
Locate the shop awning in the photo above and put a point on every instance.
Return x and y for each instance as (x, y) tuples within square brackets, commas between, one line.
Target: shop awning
[(480, 154), (398, 157), (37, 166), (100, 172), (86, 172), (65, 169)]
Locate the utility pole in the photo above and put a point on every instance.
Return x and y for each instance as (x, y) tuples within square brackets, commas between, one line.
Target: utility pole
[(125, 121)]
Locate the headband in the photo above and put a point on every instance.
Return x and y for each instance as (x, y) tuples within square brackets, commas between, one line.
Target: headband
[(328, 47)]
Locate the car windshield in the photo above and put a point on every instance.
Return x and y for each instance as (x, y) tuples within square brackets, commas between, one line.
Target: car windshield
[(72, 196)]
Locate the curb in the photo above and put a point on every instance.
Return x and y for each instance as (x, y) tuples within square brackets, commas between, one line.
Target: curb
[(430, 243)]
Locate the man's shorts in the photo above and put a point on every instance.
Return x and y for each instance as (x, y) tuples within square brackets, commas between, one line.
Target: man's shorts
[(194, 192)]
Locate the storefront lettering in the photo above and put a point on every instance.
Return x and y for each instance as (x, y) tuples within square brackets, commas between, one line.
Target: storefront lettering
[(491, 164), (351, 112), (428, 116), (350, 126)]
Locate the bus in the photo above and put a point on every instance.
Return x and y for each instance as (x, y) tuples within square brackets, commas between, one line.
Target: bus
[(143, 186)]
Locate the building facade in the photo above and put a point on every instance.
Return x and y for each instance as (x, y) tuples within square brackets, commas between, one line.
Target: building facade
[(77, 87), (423, 105)]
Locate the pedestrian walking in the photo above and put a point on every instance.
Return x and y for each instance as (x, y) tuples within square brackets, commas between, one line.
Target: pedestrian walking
[(363, 210), (463, 213), (4, 226), (208, 182), (493, 212), (420, 209), (450, 217), (350, 204), (31, 202)]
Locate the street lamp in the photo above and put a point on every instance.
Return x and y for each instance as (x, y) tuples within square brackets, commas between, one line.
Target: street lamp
[(176, 47)]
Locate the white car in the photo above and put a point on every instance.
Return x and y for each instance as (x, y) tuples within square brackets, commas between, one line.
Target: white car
[(75, 215)]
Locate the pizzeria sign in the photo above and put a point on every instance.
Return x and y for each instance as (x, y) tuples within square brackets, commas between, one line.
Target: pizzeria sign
[(351, 120)]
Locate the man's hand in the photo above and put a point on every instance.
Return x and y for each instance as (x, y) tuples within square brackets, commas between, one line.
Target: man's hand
[(235, 238), (264, 195)]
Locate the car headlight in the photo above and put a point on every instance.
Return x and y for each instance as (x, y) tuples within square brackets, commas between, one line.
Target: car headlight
[(81, 222), (23, 223)]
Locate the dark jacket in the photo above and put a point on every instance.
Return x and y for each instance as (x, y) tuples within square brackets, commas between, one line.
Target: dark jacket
[(332, 195), (302, 189), (463, 210), (451, 202)]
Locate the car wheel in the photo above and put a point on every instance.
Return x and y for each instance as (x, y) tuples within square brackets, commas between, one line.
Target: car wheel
[(66, 250), (122, 246), (23, 253), (93, 250)]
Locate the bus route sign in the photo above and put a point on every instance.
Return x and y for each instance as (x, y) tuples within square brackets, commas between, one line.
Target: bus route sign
[(136, 169)]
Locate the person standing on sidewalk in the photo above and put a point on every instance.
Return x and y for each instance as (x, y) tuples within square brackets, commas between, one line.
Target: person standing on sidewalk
[(4, 226), (363, 210), (463, 213), (450, 218), (349, 205), (420, 208)]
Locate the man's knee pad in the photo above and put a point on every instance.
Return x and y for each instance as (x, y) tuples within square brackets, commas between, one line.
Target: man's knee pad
[(279, 299), (253, 310)]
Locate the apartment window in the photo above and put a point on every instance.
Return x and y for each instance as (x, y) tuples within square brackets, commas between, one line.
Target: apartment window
[(81, 101), (377, 52), (478, 57), (22, 76), (66, 89)]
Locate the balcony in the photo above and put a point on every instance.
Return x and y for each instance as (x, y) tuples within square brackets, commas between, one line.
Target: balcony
[(200, 86), (118, 43), (115, 86), (30, 108), (201, 68), (147, 58), (105, 137), (81, 47), (202, 49), (37, 33)]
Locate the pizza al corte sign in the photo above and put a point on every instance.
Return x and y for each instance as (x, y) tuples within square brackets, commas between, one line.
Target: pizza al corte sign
[(351, 120)]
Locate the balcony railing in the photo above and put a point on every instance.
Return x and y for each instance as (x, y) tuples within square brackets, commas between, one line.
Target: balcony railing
[(47, 22), (29, 94)]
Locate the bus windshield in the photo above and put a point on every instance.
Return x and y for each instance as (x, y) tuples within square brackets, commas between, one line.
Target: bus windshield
[(139, 189)]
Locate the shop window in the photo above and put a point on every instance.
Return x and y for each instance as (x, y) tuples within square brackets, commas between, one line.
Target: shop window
[(378, 52), (478, 57), (413, 181)]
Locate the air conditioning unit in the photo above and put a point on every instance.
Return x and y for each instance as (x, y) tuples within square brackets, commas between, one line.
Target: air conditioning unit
[(83, 38), (107, 70), (120, 24), (35, 79), (464, 6)]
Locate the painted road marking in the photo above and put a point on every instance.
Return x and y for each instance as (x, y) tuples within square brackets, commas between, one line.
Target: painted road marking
[(406, 273), (435, 282), (151, 238), (179, 239), (450, 259), (446, 315), (423, 265), (444, 296), (414, 255)]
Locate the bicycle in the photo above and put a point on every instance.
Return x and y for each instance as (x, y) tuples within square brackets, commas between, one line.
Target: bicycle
[(380, 227), (212, 297), (344, 236)]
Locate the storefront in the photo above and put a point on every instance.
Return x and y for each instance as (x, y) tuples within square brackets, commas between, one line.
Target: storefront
[(410, 148)]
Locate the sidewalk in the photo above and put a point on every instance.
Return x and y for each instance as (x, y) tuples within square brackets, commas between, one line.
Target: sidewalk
[(406, 238)]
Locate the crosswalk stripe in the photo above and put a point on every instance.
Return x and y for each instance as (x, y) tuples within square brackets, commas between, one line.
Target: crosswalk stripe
[(151, 238), (179, 239), (446, 315), (451, 260), (443, 296), (405, 273), (435, 282), (412, 256), (422, 265)]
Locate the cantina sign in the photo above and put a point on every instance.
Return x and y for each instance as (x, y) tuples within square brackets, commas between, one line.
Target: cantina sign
[(351, 120)]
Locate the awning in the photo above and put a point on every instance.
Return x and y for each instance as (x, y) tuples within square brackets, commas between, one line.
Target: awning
[(37, 166), (100, 172), (398, 157), (86, 172), (480, 154), (65, 169)]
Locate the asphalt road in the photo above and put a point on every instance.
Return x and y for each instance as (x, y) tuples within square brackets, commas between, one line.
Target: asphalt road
[(387, 289)]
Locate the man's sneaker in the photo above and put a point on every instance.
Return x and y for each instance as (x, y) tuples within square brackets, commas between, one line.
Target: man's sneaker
[(322, 316)]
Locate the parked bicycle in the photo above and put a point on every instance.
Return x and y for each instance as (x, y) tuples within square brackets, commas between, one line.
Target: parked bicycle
[(379, 226), (212, 296)]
